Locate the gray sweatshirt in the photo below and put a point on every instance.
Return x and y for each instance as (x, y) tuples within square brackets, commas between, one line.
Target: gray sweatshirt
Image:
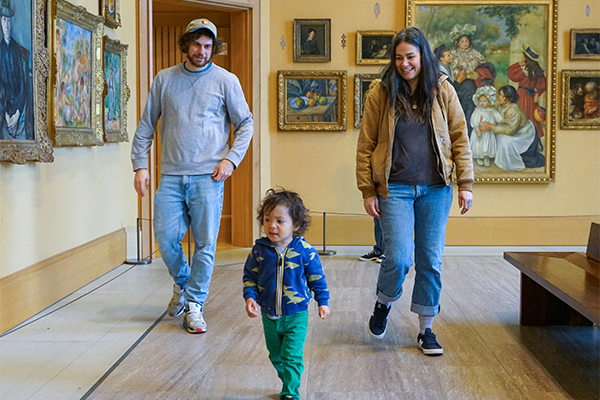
[(197, 110)]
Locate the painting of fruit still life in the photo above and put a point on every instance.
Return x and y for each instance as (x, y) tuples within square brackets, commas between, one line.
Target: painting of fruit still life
[(312, 100)]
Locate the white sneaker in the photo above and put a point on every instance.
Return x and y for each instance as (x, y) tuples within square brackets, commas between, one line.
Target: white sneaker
[(193, 319), (177, 303)]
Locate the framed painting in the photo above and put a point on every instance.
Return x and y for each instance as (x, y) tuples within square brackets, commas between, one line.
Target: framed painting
[(581, 99), (77, 76), (500, 55), (117, 92), (585, 44), (373, 47), (312, 40), (312, 100), (23, 83), (361, 85), (111, 13)]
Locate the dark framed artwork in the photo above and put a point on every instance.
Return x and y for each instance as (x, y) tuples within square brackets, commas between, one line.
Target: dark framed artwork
[(23, 83), (312, 100), (581, 99), (361, 85), (312, 40), (585, 44), (77, 77), (499, 55), (110, 12), (373, 47), (117, 92)]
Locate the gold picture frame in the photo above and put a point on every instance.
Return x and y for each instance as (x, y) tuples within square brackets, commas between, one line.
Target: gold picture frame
[(312, 100), (77, 76), (29, 140), (361, 85), (585, 44), (116, 93), (110, 10), (580, 99), (503, 36), (373, 47)]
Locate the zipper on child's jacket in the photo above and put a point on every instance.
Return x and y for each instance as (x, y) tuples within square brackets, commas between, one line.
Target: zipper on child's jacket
[(279, 278)]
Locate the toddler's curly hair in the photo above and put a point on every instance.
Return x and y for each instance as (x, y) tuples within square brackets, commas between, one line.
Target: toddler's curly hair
[(273, 198)]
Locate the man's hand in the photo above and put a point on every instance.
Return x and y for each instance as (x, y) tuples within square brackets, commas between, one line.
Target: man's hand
[(141, 182), (223, 171)]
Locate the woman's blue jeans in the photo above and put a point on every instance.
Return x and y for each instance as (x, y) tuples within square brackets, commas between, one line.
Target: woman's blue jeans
[(413, 220), (182, 201)]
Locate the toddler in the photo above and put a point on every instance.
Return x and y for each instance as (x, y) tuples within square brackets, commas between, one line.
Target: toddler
[(279, 274), (483, 144)]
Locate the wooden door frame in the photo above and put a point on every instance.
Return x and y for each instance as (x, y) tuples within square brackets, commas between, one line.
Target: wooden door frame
[(247, 23)]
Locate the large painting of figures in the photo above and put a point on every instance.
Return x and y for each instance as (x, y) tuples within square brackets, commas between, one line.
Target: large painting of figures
[(23, 134), (78, 78), (117, 92), (499, 56)]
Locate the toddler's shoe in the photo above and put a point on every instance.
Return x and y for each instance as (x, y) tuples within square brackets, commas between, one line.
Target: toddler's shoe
[(378, 321), (429, 344)]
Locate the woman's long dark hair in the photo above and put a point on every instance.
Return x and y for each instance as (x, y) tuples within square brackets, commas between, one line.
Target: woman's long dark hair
[(534, 71), (399, 93)]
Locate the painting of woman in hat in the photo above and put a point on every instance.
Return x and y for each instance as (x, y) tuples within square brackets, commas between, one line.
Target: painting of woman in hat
[(532, 83)]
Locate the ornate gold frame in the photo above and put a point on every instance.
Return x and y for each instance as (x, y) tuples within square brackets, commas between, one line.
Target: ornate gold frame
[(39, 149), (574, 33), (547, 37), (360, 58), (359, 95), (111, 19), (302, 123), (117, 135), (70, 136), (566, 121)]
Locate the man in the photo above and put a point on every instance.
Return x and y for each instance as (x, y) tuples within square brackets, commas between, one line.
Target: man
[(198, 102), (16, 111)]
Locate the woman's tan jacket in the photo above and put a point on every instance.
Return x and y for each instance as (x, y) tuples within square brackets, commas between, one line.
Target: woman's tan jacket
[(374, 150)]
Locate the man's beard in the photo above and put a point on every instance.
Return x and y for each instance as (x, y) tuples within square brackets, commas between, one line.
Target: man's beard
[(198, 62)]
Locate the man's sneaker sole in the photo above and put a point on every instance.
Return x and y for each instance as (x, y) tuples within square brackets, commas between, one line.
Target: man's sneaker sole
[(430, 352), (190, 330)]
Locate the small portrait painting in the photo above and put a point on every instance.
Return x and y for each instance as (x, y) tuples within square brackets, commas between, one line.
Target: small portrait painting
[(581, 99), (312, 40), (585, 44), (373, 47)]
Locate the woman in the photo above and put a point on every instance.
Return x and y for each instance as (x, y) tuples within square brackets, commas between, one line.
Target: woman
[(471, 70), (532, 83), (518, 145), (413, 133)]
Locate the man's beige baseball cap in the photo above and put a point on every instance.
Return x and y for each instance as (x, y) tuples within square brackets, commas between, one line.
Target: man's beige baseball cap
[(201, 23)]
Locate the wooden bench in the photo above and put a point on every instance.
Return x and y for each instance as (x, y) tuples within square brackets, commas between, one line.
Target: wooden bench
[(560, 288)]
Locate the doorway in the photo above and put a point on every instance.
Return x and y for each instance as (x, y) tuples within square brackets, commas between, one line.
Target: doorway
[(234, 24)]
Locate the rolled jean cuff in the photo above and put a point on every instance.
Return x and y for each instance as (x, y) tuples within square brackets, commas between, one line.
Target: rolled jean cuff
[(430, 311), (383, 299)]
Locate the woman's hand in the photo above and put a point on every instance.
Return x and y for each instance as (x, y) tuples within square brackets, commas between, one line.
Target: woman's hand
[(372, 206), (486, 126), (251, 308), (465, 201)]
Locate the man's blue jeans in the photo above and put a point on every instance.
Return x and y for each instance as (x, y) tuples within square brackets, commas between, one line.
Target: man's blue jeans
[(379, 247), (181, 202), (414, 219)]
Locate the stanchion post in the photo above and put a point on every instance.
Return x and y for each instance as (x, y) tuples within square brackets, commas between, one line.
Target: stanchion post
[(138, 260), (325, 252)]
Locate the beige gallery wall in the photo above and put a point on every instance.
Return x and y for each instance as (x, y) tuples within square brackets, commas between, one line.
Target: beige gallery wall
[(321, 165), (86, 193)]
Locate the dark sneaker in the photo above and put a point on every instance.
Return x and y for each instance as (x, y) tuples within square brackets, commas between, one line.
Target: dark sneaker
[(380, 259), (428, 344), (378, 321), (370, 256), (177, 303)]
